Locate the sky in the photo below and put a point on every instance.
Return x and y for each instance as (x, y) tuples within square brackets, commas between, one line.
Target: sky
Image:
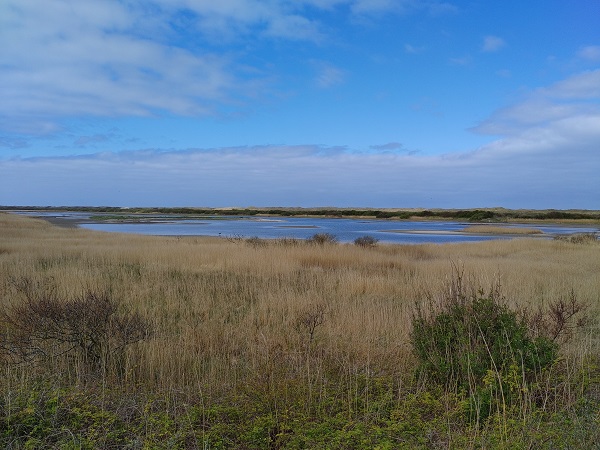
[(308, 103)]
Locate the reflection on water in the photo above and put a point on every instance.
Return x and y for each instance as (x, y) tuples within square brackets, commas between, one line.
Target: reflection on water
[(346, 230)]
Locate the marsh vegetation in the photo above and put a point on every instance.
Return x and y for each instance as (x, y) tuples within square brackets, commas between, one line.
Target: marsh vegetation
[(126, 341)]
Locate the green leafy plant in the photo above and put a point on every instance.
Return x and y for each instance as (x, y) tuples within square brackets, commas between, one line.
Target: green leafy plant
[(469, 335)]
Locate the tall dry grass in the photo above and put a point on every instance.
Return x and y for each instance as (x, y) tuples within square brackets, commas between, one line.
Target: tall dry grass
[(226, 313)]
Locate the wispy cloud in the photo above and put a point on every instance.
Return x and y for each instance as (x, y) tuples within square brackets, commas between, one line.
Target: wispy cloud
[(547, 158), (112, 58), (12, 143), (408, 48), (520, 171), (461, 60), (433, 7), (388, 146), (93, 59), (83, 141), (492, 44), (575, 97), (328, 75), (590, 53)]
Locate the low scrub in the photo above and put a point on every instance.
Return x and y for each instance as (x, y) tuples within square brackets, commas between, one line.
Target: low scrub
[(470, 341), (89, 330), (366, 241), (323, 239), (578, 238)]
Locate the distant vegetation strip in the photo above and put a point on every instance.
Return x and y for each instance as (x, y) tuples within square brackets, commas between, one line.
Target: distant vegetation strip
[(473, 215)]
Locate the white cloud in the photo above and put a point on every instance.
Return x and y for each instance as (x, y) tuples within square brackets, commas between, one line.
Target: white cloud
[(539, 168), (492, 44), (294, 27), (583, 86), (390, 146), (590, 53), (374, 6), (575, 97), (83, 141), (110, 58), (408, 48), (328, 75), (461, 61), (88, 58), (371, 7)]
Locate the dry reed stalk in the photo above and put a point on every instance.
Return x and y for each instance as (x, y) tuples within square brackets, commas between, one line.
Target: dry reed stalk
[(224, 310), (494, 229)]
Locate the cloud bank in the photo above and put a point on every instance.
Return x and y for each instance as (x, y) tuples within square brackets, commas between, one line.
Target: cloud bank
[(516, 172), (141, 58), (548, 156)]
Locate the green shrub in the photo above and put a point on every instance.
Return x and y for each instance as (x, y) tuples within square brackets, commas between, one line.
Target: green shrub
[(479, 216), (473, 343), (472, 335)]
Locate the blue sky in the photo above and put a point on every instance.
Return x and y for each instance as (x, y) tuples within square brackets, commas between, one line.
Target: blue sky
[(350, 103)]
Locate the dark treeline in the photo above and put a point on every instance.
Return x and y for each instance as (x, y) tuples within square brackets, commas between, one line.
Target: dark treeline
[(473, 215)]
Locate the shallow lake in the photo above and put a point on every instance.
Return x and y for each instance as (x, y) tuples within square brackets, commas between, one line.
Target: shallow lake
[(346, 230)]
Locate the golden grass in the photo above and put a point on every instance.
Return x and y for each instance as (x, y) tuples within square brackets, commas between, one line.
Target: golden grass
[(226, 310), (491, 229)]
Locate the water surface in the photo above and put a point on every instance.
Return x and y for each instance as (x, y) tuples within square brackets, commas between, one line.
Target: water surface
[(346, 230)]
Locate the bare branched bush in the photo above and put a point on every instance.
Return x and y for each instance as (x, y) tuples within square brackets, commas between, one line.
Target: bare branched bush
[(256, 242), (90, 327), (235, 238), (366, 241), (288, 242), (322, 239), (559, 319), (310, 319)]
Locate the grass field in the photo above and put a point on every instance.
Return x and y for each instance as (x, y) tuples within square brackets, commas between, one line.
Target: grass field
[(277, 344)]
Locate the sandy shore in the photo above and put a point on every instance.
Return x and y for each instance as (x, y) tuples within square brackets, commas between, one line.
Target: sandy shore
[(467, 232), (62, 222)]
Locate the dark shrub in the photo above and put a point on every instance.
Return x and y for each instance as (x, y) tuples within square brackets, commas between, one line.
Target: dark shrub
[(578, 238), (91, 328), (472, 342), (256, 242), (288, 242), (322, 239), (470, 336), (366, 241), (479, 216)]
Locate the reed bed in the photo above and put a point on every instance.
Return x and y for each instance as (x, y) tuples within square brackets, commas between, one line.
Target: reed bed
[(227, 315), (211, 298), (494, 229)]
